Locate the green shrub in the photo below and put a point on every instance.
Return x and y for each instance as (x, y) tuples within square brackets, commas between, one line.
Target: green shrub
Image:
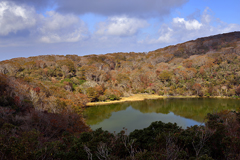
[(165, 76), (81, 81), (161, 93), (28, 79), (113, 97), (102, 98), (92, 94), (66, 80)]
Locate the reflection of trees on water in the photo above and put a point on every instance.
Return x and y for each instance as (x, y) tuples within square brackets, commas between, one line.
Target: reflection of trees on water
[(98, 114), (193, 108)]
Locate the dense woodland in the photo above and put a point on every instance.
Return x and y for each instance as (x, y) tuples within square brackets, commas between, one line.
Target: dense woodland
[(42, 99)]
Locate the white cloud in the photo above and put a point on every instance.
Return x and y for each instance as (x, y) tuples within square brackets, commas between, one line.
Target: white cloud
[(206, 16), (181, 30), (230, 28), (166, 36), (121, 26), (61, 28), (189, 25), (52, 28), (15, 18)]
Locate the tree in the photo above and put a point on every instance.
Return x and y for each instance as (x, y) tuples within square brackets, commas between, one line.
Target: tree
[(201, 71), (94, 92), (165, 76), (65, 70), (237, 90), (197, 87), (67, 62)]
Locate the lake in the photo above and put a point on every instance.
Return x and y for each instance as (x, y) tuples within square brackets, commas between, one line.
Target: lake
[(138, 115)]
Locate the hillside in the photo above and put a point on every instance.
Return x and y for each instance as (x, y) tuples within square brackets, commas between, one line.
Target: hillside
[(227, 43), (43, 97), (207, 67)]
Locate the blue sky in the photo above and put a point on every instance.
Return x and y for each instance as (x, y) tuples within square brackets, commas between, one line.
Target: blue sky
[(33, 27)]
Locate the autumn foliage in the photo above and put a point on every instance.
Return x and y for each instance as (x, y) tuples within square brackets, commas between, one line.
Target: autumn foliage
[(49, 93)]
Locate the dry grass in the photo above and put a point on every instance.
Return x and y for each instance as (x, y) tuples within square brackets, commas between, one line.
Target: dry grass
[(136, 97)]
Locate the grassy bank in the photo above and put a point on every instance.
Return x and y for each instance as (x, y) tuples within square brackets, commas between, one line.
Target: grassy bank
[(136, 97)]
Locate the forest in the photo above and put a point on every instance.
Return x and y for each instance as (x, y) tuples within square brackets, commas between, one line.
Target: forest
[(42, 100)]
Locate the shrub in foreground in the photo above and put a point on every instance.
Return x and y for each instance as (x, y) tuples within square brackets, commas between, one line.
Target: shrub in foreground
[(218, 139)]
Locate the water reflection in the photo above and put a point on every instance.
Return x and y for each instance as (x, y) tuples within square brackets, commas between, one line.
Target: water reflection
[(138, 115)]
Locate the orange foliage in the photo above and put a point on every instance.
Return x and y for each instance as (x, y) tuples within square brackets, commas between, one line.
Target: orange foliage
[(237, 90), (197, 87), (201, 71), (187, 63)]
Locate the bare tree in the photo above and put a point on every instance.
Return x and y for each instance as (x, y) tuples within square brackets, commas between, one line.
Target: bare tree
[(202, 134), (129, 145), (172, 149), (88, 151), (102, 151)]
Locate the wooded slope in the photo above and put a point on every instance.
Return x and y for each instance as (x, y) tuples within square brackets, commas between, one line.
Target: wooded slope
[(206, 67), (42, 99)]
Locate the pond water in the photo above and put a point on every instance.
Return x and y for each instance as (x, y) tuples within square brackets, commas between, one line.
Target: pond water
[(139, 115)]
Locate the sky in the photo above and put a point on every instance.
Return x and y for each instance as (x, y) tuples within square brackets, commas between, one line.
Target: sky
[(80, 27)]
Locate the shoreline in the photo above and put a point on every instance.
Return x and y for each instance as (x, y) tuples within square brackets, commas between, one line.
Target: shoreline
[(132, 98), (135, 98), (142, 97)]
